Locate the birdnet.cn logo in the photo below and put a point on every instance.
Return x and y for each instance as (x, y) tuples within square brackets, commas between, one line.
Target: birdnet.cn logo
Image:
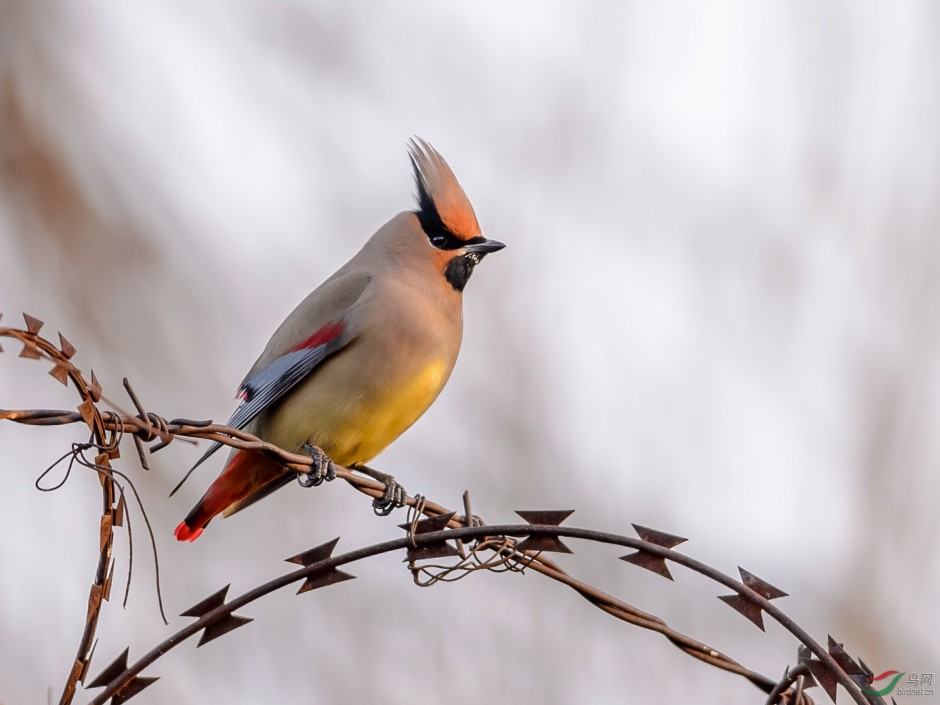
[(890, 682)]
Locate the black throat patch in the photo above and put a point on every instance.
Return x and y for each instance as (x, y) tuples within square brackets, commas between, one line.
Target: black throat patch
[(460, 268)]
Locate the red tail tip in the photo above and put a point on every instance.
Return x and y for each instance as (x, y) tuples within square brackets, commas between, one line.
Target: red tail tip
[(184, 533)]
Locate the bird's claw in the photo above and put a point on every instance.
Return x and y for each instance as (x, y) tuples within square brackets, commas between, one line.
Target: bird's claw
[(321, 469), (393, 498)]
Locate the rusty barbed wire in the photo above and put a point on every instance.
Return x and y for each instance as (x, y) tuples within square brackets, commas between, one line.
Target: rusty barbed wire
[(36, 347), (426, 539), (215, 616)]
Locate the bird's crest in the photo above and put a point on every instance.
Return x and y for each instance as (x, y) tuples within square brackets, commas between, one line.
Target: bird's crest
[(442, 204)]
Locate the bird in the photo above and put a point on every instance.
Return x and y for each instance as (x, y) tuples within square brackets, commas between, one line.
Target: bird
[(363, 356)]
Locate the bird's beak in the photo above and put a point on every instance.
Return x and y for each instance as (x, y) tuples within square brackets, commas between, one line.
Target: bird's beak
[(485, 247)]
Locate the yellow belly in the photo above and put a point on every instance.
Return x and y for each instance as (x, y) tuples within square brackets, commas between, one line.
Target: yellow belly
[(355, 425), (367, 431)]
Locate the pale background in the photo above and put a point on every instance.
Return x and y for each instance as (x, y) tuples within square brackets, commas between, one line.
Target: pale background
[(718, 315)]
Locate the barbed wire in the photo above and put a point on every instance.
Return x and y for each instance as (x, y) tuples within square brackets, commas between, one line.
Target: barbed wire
[(434, 532), (36, 347)]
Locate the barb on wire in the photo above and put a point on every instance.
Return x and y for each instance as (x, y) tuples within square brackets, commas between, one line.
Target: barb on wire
[(459, 545)]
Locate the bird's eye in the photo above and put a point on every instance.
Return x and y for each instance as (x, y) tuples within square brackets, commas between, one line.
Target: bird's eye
[(438, 241)]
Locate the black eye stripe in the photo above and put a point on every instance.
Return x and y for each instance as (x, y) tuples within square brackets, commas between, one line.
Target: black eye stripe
[(446, 240)]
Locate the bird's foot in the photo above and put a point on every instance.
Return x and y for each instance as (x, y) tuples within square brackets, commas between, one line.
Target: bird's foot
[(321, 469), (394, 495)]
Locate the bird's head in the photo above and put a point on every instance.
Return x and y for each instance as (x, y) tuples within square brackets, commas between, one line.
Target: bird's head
[(446, 217)]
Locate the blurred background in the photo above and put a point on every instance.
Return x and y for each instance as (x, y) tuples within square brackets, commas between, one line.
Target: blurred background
[(718, 315)]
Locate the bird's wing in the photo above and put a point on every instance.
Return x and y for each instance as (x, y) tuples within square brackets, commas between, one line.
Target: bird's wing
[(276, 374)]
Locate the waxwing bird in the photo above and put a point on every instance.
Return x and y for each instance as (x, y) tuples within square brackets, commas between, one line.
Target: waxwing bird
[(363, 356)]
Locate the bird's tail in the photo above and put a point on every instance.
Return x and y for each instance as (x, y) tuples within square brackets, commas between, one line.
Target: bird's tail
[(246, 473)]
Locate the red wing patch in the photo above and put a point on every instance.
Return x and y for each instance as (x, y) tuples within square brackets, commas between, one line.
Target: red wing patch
[(322, 336)]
